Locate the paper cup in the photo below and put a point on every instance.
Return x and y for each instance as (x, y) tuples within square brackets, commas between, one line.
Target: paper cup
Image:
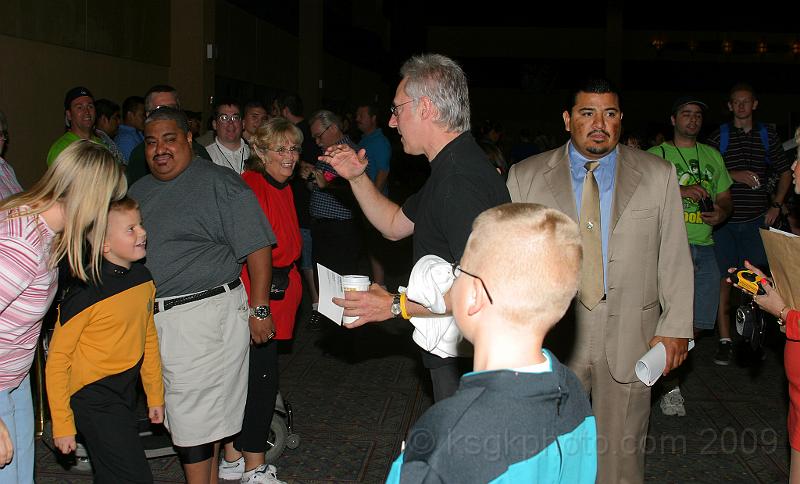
[(354, 283)]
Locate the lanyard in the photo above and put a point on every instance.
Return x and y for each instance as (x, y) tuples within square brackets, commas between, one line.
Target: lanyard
[(241, 165), (686, 163)]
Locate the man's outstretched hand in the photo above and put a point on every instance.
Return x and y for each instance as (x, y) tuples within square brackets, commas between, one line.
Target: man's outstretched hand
[(344, 159)]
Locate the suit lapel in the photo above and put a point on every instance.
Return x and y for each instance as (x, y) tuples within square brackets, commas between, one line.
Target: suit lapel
[(559, 180), (627, 179)]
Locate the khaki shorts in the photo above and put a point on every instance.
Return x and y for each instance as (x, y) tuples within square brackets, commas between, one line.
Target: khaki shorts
[(204, 357)]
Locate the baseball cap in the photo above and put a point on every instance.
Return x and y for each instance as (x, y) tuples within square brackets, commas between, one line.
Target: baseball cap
[(74, 94), (684, 100)]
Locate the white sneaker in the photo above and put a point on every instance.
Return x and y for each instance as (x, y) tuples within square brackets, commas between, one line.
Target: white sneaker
[(672, 403), (231, 471), (262, 474)]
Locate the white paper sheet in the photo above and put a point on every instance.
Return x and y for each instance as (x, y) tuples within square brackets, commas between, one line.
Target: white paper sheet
[(650, 367), (330, 286)]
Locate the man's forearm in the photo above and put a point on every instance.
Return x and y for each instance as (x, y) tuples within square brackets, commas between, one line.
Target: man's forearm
[(379, 210), (783, 187), (259, 268)]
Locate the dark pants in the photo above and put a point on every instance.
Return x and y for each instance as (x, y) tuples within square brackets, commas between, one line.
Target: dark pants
[(445, 373), (105, 416), (262, 389), (337, 244)]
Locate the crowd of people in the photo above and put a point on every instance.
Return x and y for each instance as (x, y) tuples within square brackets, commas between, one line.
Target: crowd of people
[(187, 279)]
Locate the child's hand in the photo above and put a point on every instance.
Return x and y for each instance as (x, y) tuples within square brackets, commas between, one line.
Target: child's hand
[(65, 444), (156, 414)]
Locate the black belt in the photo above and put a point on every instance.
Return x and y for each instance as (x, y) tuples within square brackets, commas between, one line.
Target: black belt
[(170, 303)]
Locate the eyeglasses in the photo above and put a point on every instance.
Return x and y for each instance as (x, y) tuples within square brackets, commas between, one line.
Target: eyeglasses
[(457, 270), (395, 108), (283, 150), (318, 136), (229, 118)]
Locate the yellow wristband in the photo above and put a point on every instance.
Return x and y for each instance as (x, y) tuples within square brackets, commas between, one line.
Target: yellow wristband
[(403, 311)]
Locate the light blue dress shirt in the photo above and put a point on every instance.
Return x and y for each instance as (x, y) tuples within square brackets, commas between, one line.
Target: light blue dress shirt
[(604, 174)]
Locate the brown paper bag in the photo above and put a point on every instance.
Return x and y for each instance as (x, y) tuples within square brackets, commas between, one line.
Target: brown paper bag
[(783, 253)]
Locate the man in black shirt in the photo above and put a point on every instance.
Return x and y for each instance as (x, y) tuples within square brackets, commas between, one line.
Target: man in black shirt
[(430, 111)]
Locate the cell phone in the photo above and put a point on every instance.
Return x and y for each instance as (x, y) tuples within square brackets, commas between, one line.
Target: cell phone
[(748, 281)]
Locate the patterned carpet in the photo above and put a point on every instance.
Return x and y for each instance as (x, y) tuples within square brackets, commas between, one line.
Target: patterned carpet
[(353, 408)]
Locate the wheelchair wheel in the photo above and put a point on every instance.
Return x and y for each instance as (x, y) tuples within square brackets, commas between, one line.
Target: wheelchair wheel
[(276, 441)]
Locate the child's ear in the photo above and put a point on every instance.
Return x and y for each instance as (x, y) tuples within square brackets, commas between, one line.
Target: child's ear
[(477, 297), (106, 247)]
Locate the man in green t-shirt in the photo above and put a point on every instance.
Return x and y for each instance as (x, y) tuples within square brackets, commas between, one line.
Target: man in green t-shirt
[(704, 184), (79, 115)]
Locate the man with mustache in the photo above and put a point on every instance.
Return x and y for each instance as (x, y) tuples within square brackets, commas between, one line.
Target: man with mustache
[(637, 280), (195, 254)]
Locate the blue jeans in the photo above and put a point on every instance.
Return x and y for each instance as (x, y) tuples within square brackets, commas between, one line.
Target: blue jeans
[(736, 242), (16, 410), (706, 286)]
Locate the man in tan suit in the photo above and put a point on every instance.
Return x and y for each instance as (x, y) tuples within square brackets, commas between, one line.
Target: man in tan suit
[(647, 280)]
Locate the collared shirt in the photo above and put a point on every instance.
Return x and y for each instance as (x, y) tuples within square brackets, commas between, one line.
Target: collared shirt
[(127, 139), (233, 160), (8, 180), (604, 174), (324, 204)]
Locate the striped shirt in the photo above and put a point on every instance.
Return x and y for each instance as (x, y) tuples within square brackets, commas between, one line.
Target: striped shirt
[(324, 204), (8, 180), (27, 287), (746, 152)]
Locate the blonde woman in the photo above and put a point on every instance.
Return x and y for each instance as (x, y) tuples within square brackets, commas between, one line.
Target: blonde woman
[(276, 150), (38, 228)]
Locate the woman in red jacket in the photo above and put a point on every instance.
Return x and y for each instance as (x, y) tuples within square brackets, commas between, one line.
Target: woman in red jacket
[(772, 303), (276, 149)]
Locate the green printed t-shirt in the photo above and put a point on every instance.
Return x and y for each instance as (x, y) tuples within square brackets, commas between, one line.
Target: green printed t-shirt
[(61, 144), (700, 164)]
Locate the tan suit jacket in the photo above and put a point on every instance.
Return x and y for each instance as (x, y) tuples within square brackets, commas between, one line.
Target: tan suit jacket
[(650, 279)]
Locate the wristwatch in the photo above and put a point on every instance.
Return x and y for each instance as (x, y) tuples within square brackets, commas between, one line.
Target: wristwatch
[(260, 312), (396, 311), (777, 205)]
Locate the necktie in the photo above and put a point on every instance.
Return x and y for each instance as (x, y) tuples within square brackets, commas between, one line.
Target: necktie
[(592, 288)]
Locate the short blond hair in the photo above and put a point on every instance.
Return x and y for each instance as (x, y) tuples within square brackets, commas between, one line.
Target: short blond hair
[(530, 258), (270, 134), (85, 178)]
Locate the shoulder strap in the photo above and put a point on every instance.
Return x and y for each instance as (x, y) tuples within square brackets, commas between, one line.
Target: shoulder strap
[(663, 152), (764, 135), (724, 136)]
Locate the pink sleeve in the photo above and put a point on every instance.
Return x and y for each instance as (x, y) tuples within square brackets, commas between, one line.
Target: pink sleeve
[(18, 265)]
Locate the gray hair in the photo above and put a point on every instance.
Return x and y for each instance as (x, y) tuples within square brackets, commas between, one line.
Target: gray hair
[(166, 113), (442, 80), (326, 118)]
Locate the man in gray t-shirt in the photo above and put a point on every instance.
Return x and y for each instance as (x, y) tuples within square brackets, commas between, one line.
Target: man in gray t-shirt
[(202, 223)]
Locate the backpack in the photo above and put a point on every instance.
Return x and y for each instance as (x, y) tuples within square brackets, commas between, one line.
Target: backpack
[(725, 135)]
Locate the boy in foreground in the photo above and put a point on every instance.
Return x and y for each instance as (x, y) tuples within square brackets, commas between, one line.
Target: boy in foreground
[(520, 416), (104, 339)]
